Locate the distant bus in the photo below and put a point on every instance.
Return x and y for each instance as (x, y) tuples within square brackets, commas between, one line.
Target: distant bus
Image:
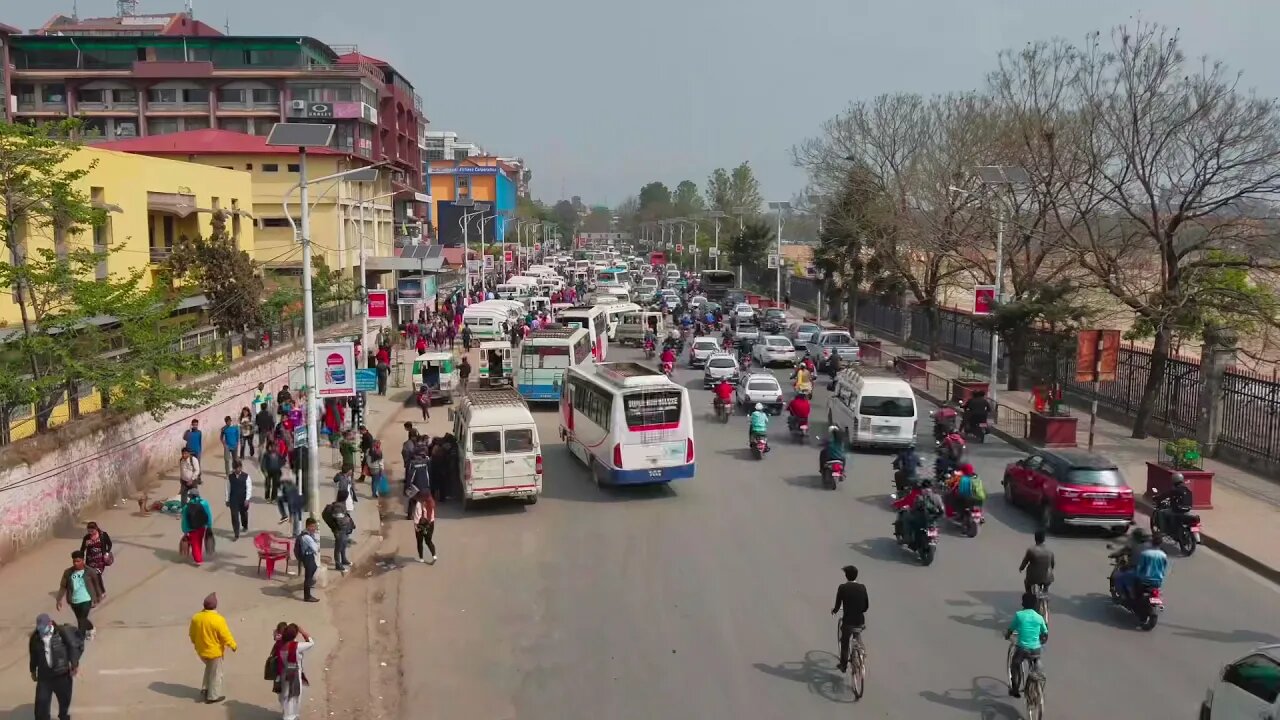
[(658, 259), (544, 356), (716, 283)]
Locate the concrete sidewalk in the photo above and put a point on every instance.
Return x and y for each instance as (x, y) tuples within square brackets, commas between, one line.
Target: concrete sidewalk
[(1244, 523), (141, 664)]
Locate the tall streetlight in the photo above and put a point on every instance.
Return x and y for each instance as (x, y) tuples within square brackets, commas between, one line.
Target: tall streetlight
[(741, 213), (484, 221), (303, 136), (533, 227), (465, 222), (999, 176), (715, 215), (779, 207)]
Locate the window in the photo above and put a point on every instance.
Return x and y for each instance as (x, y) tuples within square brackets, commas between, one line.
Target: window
[(270, 167), (836, 339), (94, 128), (162, 126), (248, 166), (235, 220), (93, 95), (1257, 675), (763, 386), (275, 223), (899, 407), (266, 96), (544, 357), (195, 123), (488, 442), (595, 404), (231, 95), (1106, 478), (195, 95), (240, 125), (653, 408), (162, 95), (53, 93), (125, 96), (26, 93), (293, 167), (519, 441)]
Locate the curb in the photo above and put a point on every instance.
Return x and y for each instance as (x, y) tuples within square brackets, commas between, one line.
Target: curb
[(1222, 548)]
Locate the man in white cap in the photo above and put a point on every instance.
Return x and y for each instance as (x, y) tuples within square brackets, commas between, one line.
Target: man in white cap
[(55, 658)]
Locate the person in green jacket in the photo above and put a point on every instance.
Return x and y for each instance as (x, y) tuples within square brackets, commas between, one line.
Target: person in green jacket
[(759, 425)]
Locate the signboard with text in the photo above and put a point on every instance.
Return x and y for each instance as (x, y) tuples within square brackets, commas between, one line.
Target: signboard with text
[(506, 256), (488, 262), (1097, 355), (335, 369), (984, 299), (367, 380), (377, 304)]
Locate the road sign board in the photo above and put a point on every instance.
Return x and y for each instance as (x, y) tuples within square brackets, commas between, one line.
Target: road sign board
[(712, 252), (506, 256), (773, 261), (679, 248), (1097, 355), (367, 380)]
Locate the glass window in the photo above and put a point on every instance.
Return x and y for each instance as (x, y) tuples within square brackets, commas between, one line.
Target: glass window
[(162, 126), (1257, 675), (837, 339), (266, 96), (722, 363), (195, 95), (1105, 478), (94, 128), (92, 95), (53, 93), (195, 123), (231, 95), (520, 440), (899, 407), (240, 125), (125, 96), (25, 93), (646, 409), (763, 386), (778, 342), (270, 167), (488, 442), (343, 93), (162, 95), (294, 167)]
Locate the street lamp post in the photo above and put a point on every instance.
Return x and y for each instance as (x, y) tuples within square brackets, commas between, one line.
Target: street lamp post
[(716, 215), (1000, 176), (779, 207), (741, 212), (465, 222)]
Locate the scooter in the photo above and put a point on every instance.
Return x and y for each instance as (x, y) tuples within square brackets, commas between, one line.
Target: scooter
[(1146, 606), (722, 410), (832, 474), (968, 519), (667, 367), (759, 446), (799, 429), (648, 350)]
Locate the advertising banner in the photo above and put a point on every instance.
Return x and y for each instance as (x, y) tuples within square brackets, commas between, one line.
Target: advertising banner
[(984, 299), (335, 369), (367, 380), (377, 305)]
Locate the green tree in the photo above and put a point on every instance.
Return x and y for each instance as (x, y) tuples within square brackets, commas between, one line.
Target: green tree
[(328, 286), (226, 275), (1046, 316), (686, 200), (565, 215), (749, 247), (655, 202), (729, 190)]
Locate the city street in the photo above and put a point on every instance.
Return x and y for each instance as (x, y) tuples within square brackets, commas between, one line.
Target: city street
[(711, 599)]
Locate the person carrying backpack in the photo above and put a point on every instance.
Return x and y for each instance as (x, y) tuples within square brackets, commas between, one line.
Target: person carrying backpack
[(196, 519), (306, 549), (341, 524), (54, 652)]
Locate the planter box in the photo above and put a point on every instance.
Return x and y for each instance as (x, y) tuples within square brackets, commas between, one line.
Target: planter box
[(1052, 431), (962, 390), (1160, 479), (912, 367), (869, 350)]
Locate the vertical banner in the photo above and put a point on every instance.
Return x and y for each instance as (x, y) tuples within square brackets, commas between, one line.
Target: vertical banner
[(376, 304), (984, 299), (335, 369)]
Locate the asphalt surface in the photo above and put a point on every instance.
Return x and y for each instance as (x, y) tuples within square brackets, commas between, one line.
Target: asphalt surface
[(711, 599)]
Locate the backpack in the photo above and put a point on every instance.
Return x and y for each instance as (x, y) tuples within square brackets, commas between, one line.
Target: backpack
[(976, 490), (73, 638), (197, 517), (298, 553)]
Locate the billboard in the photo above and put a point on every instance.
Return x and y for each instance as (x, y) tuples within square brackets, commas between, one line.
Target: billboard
[(335, 369), (409, 290), (984, 299), (377, 304)]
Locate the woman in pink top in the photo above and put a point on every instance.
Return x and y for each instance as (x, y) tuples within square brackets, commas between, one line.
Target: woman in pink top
[(424, 523)]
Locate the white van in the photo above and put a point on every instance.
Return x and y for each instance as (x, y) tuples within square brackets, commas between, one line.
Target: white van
[(500, 453), (615, 312), (513, 291), (874, 410), (486, 322)]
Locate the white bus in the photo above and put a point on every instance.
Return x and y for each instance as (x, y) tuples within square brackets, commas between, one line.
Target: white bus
[(629, 424), (595, 321), (544, 357), (613, 277)]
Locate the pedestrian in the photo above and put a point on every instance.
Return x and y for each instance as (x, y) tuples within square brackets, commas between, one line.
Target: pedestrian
[(82, 588), (96, 546), (54, 652), (290, 675), (211, 638), (282, 397), (196, 519), (466, 338), (194, 439), (239, 491), (424, 402), (438, 455), (464, 373), (246, 431), (229, 435), (377, 470), (366, 444), (266, 425), (272, 464), (786, 300), (188, 474), (261, 399), (421, 345), (384, 369), (347, 450), (338, 517), (344, 480), (357, 403), (291, 504), (306, 549), (424, 525)]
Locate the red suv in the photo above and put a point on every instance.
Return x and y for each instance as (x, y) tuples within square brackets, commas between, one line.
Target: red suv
[(1071, 487)]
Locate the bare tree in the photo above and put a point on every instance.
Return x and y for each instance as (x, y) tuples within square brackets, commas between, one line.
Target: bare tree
[(1171, 158)]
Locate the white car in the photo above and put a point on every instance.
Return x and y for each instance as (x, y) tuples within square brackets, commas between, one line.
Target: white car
[(773, 349), (743, 310), (760, 388), (719, 366), (1246, 688), (701, 349)]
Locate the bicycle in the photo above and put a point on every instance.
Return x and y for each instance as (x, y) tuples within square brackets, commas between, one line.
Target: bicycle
[(857, 659), (1041, 591), (1033, 681)]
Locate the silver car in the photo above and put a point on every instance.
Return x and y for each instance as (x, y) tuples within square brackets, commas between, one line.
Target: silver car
[(833, 342), (719, 367), (701, 349), (801, 334), (774, 349), (761, 388), (747, 331)]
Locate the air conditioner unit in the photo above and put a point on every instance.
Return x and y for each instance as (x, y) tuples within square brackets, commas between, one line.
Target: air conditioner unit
[(298, 106)]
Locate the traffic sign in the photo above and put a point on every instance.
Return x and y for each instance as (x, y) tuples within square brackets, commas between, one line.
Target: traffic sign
[(473, 265), (984, 297), (773, 261), (679, 248), (712, 252)]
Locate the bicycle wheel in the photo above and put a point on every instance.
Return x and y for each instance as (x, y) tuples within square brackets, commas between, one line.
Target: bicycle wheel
[(1035, 700), (858, 669)]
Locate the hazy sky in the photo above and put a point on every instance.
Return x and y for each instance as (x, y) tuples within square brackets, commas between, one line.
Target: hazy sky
[(603, 96)]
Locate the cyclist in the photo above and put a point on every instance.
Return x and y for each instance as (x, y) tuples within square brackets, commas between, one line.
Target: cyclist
[(1032, 632), (1038, 564), (852, 597)]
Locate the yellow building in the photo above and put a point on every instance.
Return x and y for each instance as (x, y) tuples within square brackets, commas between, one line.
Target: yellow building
[(149, 203), (341, 212)]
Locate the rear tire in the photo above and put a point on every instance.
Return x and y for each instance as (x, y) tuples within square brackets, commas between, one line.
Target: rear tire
[(971, 527), (927, 554), (1149, 622), (531, 500), (1049, 519), (1187, 542), (1008, 491)]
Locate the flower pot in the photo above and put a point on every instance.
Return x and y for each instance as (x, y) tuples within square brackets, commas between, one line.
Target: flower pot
[(912, 367), (962, 389), (869, 350), (1052, 431), (1160, 479)]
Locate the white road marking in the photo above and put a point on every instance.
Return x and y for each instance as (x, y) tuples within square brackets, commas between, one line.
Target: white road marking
[(130, 671)]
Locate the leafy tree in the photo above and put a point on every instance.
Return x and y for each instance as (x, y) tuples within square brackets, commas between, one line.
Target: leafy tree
[(282, 304), (688, 203), (328, 286), (655, 202), (1047, 316), (727, 191), (565, 214), (749, 247), (599, 220), (224, 273)]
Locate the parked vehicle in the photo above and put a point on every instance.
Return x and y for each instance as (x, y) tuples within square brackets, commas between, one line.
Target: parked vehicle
[(1071, 487), (501, 455), (1245, 688)]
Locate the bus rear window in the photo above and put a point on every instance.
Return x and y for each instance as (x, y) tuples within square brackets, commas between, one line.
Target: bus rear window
[(544, 357), (649, 409)]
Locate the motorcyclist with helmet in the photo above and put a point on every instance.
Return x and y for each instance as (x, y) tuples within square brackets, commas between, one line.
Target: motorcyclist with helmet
[(832, 449), (906, 464), (951, 451), (1180, 499), (1138, 540), (724, 394), (977, 410), (759, 426), (803, 381), (920, 508), (798, 412)]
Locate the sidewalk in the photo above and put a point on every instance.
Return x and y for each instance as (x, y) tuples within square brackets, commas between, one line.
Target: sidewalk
[(141, 664), (1243, 524)]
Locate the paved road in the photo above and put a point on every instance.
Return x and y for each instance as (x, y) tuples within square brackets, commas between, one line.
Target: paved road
[(710, 599)]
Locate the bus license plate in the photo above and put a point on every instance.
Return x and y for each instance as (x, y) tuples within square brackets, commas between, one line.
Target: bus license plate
[(655, 473)]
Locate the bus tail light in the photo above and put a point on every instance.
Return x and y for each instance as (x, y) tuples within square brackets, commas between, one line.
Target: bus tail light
[(537, 465), (617, 456), (688, 452), (466, 473)]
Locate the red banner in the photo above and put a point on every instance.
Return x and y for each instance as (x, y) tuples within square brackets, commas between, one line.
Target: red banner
[(984, 299), (377, 305)]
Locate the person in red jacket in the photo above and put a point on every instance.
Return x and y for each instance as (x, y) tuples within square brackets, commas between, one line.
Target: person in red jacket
[(915, 511), (798, 410), (668, 359), (724, 394)]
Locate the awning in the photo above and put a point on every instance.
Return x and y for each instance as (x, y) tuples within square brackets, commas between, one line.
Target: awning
[(109, 207), (173, 204)]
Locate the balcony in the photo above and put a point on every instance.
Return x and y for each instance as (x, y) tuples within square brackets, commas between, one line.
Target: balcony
[(160, 254), (122, 108)]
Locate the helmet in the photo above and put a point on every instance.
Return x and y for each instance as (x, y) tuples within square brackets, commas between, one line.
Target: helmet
[(833, 429), (1140, 534), (759, 406), (1178, 479)]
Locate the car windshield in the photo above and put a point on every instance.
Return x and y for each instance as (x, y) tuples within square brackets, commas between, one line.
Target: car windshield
[(722, 363), (1088, 476), (706, 345), (772, 314), (899, 407), (746, 326), (778, 342), (806, 328), (763, 386), (837, 339)]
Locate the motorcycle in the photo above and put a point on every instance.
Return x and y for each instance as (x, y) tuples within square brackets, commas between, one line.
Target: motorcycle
[(648, 350), (799, 429), (722, 410), (759, 446), (925, 543), (667, 367), (943, 424), (1146, 606), (1186, 527), (968, 519), (832, 474), (977, 430)]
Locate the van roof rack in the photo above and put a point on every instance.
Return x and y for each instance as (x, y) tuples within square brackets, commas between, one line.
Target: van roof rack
[(559, 331), (630, 374), (494, 397)]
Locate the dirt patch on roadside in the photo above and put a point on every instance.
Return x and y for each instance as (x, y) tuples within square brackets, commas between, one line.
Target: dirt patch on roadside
[(363, 673)]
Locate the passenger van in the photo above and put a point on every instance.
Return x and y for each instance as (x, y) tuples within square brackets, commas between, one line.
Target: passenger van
[(613, 278), (544, 357), (500, 453), (631, 327), (873, 410), (486, 322), (509, 291), (614, 312), (594, 320), (629, 424)]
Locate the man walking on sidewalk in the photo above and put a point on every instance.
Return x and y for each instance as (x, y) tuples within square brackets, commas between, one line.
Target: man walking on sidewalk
[(82, 588), (196, 518), (306, 548), (54, 660), (211, 637), (272, 464), (188, 474), (194, 439), (229, 435), (239, 490)]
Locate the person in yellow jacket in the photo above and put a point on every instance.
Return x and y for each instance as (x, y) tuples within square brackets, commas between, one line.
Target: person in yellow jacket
[(211, 637)]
